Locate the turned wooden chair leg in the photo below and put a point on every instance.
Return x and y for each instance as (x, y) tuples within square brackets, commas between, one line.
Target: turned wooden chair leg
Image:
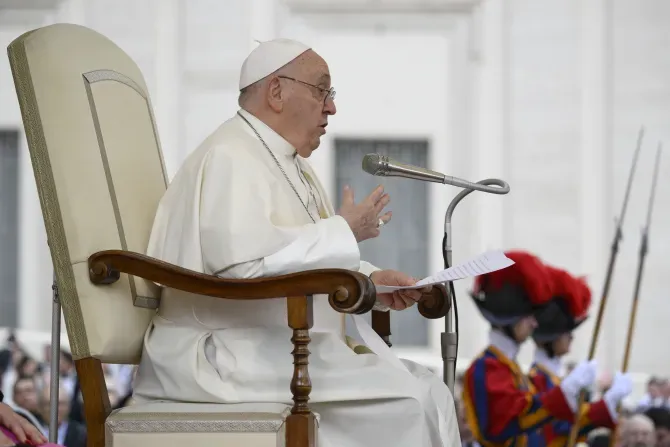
[(300, 425)]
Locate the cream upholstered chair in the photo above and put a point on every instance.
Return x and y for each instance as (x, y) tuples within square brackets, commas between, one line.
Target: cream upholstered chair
[(100, 175)]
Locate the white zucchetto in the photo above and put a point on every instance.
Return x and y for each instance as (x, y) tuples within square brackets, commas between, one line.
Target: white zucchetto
[(269, 57)]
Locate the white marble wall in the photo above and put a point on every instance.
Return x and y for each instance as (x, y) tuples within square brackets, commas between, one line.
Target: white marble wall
[(641, 96), (547, 94)]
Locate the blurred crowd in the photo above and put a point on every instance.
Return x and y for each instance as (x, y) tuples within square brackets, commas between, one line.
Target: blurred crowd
[(25, 383), (645, 423)]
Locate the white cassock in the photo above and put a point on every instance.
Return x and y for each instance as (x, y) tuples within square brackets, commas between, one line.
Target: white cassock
[(230, 212)]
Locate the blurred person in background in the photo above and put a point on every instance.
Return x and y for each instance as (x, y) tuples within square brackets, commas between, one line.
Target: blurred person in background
[(14, 428), (660, 416), (654, 395), (636, 431), (28, 367), (26, 397), (665, 392), (467, 438), (6, 369), (556, 322), (601, 437), (502, 407), (9, 359), (70, 433)]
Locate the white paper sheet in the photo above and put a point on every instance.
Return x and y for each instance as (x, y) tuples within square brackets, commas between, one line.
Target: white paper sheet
[(484, 263)]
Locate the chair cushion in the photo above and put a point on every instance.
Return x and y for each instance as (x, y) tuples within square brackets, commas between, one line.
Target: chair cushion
[(175, 424)]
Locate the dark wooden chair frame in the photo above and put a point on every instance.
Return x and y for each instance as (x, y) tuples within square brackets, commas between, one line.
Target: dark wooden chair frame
[(348, 292)]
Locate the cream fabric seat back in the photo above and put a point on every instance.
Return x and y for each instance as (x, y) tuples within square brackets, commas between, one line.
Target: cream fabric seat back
[(100, 174)]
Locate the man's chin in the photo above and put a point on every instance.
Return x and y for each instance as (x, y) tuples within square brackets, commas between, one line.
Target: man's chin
[(312, 147)]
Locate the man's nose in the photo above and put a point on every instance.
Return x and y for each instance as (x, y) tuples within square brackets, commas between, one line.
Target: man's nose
[(329, 106)]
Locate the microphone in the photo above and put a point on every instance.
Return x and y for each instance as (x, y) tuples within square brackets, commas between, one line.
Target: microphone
[(381, 165)]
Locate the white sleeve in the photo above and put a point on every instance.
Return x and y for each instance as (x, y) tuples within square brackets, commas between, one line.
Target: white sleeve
[(326, 244), (367, 269), (239, 235)]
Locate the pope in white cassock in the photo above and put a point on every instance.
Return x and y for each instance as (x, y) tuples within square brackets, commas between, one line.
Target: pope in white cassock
[(247, 204)]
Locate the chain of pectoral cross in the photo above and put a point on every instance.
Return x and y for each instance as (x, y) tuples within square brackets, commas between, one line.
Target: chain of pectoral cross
[(309, 184)]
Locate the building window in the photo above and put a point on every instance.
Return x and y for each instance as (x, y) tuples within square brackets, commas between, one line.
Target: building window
[(9, 227), (403, 243)]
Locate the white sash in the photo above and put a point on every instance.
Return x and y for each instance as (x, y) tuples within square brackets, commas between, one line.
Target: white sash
[(375, 342)]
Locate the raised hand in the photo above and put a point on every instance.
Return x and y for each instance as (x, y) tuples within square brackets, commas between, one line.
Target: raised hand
[(363, 218)]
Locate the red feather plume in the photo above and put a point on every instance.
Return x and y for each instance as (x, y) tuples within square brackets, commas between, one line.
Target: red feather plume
[(574, 290), (528, 271)]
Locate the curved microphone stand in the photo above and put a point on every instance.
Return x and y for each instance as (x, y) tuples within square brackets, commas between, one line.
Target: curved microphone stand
[(449, 338)]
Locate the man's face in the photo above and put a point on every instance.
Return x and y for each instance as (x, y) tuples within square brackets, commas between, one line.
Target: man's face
[(562, 344), (25, 394), (63, 404), (308, 102), (524, 328), (636, 434), (654, 390)]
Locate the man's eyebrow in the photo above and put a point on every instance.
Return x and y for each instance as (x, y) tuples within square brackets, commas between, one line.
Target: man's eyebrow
[(324, 78)]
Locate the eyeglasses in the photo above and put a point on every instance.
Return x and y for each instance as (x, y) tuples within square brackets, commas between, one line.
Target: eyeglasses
[(329, 93)]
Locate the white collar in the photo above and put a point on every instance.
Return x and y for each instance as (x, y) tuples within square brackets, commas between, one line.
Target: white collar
[(552, 364), (504, 344), (277, 144)]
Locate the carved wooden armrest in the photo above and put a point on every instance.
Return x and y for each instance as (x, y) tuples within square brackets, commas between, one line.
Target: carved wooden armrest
[(348, 292), (434, 304)]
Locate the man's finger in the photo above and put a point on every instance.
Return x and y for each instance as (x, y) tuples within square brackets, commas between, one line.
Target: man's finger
[(403, 280), (375, 195), (412, 295), (406, 298), (32, 432), (15, 427), (381, 204), (347, 195), (386, 218), (398, 302)]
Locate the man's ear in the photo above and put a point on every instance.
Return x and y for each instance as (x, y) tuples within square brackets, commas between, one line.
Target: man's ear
[(275, 95)]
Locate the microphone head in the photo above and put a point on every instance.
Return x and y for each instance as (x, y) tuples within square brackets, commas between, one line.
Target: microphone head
[(374, 164)]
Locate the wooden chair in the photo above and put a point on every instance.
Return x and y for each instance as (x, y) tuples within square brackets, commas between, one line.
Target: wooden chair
[(100, 175)]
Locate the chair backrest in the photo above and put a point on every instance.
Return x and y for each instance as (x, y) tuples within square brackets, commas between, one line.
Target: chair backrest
[(100, 174)]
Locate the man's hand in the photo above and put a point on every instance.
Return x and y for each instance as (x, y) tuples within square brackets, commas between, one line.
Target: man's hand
[(581, 377), (400, 299), (363, 218), (622, 386), (22, 429)]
